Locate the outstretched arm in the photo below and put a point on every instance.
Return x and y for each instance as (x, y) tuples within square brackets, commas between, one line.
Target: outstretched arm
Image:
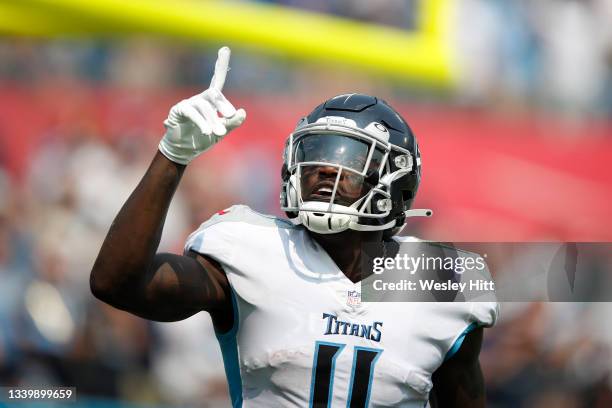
[(128, 273), (459, 383)]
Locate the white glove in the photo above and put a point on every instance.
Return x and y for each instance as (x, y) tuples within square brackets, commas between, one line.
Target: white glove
[(193, 125)]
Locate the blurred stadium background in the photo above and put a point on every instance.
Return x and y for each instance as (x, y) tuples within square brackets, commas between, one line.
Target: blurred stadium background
[(511, 102)]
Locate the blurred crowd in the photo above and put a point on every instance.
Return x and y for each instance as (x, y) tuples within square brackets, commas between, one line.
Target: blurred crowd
[(549, 54), (394, 13), (53, 331)]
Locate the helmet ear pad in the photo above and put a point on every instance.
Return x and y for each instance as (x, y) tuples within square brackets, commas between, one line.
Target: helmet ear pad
[(406, 188), (288, 193), (403, 192)]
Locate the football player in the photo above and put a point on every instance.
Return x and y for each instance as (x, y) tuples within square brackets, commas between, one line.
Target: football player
[(284, 294)]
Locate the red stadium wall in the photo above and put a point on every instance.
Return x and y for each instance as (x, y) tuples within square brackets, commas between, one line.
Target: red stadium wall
[(486, 177)]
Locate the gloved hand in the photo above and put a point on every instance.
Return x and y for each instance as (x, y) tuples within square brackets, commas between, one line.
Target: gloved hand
[(193, 125)]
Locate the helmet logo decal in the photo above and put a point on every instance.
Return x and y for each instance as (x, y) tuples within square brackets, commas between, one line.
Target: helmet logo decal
[(380, 127), (378, 130)]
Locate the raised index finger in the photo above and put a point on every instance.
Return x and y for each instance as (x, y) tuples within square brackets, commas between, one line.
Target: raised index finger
[(221, 68)]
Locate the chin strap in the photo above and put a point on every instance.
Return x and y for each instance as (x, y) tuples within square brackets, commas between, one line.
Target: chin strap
[(421, 212), (360, 227)]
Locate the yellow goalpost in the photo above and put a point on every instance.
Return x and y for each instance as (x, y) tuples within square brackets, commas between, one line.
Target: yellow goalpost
[(422, 55)]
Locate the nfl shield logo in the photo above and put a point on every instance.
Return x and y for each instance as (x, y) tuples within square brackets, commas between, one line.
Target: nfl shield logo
[(354, 298)]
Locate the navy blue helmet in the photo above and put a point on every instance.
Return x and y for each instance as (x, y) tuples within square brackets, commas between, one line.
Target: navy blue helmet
[(365, 140)]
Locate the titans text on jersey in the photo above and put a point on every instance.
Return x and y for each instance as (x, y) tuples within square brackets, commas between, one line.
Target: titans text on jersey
[(367, 331)]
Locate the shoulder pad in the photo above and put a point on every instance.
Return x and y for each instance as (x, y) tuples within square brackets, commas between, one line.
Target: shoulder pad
[(243, 213), (227, 227)]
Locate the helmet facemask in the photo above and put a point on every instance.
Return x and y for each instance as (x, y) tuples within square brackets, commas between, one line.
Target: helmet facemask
[(338, 176)]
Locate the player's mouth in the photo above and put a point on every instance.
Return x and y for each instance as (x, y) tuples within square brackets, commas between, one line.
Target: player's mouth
[(323, 192)]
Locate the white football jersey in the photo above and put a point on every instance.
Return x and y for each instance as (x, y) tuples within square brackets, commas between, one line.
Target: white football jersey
[(301, 335)]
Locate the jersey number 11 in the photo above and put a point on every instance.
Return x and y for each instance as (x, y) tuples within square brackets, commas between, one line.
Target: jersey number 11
[(323, 374)]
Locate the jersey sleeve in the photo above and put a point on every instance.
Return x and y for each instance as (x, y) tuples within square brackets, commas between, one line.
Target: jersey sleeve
[(475, 308), (479, 314), (485, 308), (485, 314)]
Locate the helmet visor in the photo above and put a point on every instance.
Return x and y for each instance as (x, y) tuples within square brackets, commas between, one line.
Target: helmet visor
[(341, 150)]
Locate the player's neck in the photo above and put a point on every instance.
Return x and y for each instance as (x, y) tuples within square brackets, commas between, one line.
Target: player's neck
[(345, 249)]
